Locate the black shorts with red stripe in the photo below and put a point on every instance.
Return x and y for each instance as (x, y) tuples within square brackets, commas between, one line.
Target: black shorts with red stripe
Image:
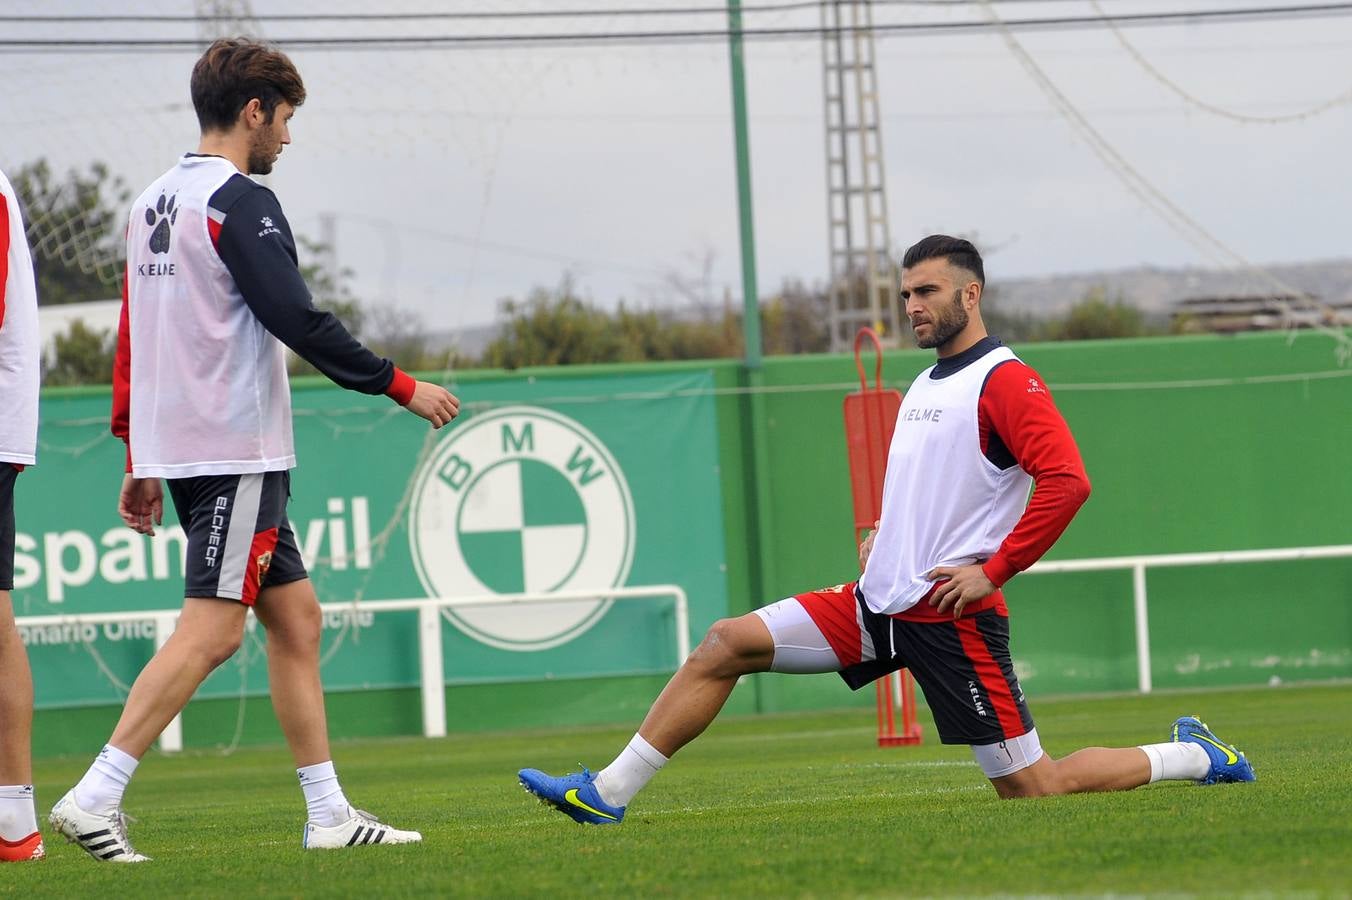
[(962, 665), (239, 539), (8, 475)]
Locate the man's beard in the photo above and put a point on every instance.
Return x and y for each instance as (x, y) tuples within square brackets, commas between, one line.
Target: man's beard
[(949, 324), (261, 156)]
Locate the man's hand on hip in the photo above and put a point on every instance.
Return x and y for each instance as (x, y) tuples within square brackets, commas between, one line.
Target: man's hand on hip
[(965, 584), (866, 546)]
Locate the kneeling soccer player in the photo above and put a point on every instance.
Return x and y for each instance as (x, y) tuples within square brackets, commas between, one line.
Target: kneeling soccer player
[(975, 432)]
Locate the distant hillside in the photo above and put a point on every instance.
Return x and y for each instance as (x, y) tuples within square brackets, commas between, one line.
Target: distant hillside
[(1156, 291)]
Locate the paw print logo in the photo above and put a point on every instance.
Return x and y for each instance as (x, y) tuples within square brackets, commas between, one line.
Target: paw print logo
[(165, 215)]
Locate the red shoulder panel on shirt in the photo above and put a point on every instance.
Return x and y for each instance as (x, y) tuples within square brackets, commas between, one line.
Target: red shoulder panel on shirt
[(4, 254), (1017, 407)]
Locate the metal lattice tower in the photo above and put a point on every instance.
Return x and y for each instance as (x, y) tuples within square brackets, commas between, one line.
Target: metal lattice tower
[(863, 276), (225, 19)]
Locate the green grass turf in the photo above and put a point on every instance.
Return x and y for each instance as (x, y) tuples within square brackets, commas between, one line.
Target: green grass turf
[(782, 806)]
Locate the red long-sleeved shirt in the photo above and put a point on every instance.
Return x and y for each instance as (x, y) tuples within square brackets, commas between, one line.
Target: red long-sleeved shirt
[(1018, 424)]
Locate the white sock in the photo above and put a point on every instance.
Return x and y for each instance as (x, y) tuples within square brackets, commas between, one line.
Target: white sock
[(18, 817), (324, 800), (637, 763), (100, 790), (1177, 761)]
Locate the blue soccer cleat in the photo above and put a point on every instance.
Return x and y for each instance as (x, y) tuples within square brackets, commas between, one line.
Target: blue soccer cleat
[(573, 795), (1227, 763)]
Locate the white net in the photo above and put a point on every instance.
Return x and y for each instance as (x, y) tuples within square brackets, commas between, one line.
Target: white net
[(68, 224), (460, 172)]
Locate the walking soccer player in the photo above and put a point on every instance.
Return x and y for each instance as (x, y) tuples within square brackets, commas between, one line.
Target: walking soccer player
[(200, 394), (19, 364), (975, 432)]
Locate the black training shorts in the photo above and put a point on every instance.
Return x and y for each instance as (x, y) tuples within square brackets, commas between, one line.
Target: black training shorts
[(239, 539)]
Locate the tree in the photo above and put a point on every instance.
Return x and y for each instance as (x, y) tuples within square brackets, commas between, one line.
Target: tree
[(397, 334), (76, 226), (1009, 326), (1096, 317), (329, 289), (797, 320), (553, 328), (650, 334), (559, 328), (80, 356)]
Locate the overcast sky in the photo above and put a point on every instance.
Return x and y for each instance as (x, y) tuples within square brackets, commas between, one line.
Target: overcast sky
[(459, 177)]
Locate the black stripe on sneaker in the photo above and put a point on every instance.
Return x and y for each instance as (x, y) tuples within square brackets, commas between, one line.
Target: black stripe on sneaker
[(355, 836), (116, 851), (380, 836), (370, 833), (90, 835), (111, 842)]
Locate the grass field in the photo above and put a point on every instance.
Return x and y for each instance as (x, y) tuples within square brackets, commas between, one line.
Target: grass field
[(795, 806)]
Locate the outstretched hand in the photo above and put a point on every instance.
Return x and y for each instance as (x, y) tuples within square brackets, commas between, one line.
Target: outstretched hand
[(965, 584), (434, 403), (141, 504)]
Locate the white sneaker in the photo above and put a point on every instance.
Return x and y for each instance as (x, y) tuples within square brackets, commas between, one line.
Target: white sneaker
[(102, 837), (362, 828)]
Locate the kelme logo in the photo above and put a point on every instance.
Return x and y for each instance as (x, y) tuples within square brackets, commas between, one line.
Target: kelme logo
[(518, 500)]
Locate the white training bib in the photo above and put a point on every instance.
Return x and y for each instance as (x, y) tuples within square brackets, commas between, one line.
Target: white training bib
[(944, 503), (209, 390), (20, 354)]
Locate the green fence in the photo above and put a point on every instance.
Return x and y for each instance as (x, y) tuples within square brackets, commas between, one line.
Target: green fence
[(1192, 444), (733, 486)]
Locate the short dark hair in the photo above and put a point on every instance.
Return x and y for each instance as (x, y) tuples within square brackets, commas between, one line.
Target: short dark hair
[(234, 71), (958, 251)]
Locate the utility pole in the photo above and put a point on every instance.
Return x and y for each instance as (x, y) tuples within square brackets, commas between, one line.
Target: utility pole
[(328, 238), (756, 459), (751, 330), (218, 19), (863, 275), (225, 19)]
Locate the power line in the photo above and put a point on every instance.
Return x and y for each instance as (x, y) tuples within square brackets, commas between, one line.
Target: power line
[(1151, 195), (721, 9), (494, 246), (1153, 71), (676, 36)]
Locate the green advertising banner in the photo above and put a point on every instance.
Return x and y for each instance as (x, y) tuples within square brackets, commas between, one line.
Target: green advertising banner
[(565, 484)]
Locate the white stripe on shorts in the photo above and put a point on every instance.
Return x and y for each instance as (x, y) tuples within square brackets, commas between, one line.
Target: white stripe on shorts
[(800, 647), (239, 537), (867, 652), (1007, 757)]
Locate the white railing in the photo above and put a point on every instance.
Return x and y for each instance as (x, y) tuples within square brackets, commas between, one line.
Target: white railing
[(429, 615), (433, 673), (1138, 565)]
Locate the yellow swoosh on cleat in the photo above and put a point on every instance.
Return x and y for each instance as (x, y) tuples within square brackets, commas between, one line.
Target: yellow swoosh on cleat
[(571, 797), (1230, 758)]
